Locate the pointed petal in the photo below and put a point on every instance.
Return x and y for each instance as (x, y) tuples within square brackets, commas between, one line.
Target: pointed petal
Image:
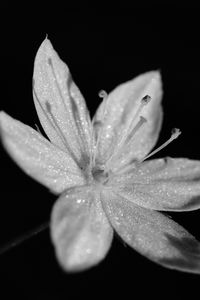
[(60, 105), (153, 235), (119, 109), (160, 184), (80, 231), (38, 157)]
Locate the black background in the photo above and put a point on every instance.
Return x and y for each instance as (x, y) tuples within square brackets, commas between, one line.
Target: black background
[(102, 48)]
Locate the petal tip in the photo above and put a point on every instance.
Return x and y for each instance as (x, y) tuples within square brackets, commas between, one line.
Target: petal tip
[(46, 44), (156, 75), (45, 50), (4, 119), (2, 114)]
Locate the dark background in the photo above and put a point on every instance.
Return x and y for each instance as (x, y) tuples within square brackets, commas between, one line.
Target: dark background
[(102, 48)]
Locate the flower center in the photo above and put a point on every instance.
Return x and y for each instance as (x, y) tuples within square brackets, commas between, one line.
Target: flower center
[(99, 175)]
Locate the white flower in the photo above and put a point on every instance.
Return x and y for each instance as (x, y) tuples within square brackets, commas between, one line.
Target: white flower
[(100, 171)]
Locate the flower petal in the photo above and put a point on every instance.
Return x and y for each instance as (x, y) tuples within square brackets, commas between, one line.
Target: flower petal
[(79, 229), (153, 234), (119, 109), (160, 184), (38, 157), (60, 105)]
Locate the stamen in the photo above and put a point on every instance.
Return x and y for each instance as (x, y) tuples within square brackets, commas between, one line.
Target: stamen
[(97, 124), (122, 146), (135, 129), (103, 94), (144, 101), (175, 133), (132, 129)]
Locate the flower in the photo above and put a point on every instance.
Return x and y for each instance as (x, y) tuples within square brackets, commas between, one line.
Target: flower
[(99, 169)]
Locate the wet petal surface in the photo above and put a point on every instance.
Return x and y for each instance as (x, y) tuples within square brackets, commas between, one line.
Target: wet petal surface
[(153, 234), (60, 105), (162, 184), (80, 230), (39, 158)]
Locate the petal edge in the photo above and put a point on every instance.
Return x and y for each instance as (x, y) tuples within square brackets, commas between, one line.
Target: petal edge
[(39, 158), (154, 235)]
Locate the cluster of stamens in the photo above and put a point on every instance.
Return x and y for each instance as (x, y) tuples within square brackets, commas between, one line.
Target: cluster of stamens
[(133, 127)]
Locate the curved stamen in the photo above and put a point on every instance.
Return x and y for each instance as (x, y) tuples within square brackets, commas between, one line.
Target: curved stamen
[(132, 126), (103, 94), (134, 163), (175, 133)]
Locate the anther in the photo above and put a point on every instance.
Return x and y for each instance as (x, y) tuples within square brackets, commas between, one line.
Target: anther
[(143, 102), (146, 99), (103, 94), (175, 133), (133, 128)]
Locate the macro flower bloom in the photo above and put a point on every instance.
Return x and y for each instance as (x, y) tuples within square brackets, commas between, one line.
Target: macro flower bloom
[(100, 171)]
